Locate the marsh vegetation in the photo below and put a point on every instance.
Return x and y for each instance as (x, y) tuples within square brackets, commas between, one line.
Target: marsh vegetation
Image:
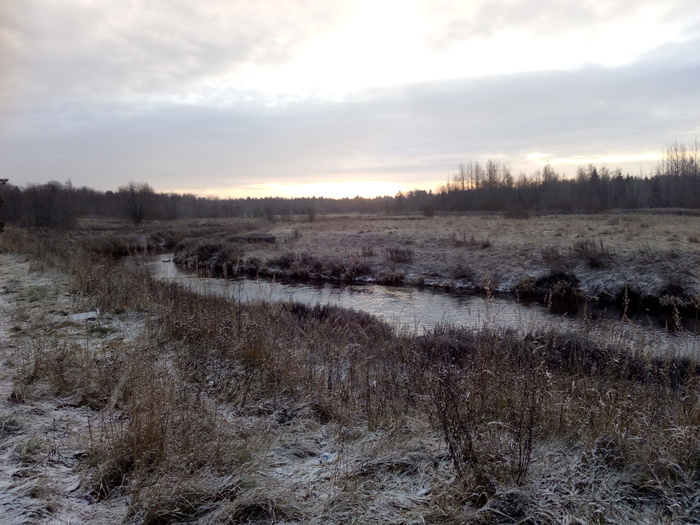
[(175, 406)]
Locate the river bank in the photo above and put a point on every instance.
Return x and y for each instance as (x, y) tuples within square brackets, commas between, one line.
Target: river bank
[(636, 262)]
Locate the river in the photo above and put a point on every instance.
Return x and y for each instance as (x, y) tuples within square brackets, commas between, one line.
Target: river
[(419, 309)]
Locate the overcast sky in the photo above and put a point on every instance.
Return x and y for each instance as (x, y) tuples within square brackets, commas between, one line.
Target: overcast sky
[(338, 97)]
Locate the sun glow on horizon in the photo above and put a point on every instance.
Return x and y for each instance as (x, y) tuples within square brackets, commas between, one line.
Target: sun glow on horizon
[(334, 190)]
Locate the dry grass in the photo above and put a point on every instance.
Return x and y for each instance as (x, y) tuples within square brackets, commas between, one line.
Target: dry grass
[(219, 412), (605, 253)]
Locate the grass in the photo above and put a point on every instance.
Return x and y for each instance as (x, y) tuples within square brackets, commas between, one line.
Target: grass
[(605, 252), (595, 255), (399, 254), (220, 412)]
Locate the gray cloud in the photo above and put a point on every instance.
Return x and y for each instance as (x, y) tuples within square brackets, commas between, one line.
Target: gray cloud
[(111, 48), (412, 134), (102, 99)]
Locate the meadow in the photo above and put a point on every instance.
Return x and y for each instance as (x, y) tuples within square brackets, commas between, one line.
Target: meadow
[(172, 406)]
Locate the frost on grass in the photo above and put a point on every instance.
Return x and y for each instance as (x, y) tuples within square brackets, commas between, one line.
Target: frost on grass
[(43, 436), (174, 407)]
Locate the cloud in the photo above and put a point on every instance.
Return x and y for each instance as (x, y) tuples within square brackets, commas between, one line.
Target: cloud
[(414, 134), (115, 48), (454, 21), (115, 91)]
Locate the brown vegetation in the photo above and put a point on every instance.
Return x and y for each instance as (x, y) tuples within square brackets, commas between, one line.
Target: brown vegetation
[(214, 411), (647, 256)]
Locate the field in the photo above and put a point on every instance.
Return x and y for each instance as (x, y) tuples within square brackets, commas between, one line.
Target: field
[(168, 406)]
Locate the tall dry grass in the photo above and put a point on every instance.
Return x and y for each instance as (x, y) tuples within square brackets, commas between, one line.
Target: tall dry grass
[(175, 429)]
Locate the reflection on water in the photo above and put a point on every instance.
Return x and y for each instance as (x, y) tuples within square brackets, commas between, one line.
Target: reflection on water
[(422, 309)]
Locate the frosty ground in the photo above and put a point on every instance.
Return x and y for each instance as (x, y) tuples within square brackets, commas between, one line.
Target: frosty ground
[(168, 407)]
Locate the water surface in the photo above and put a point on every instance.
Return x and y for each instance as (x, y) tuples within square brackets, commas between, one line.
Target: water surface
[(421, 309)]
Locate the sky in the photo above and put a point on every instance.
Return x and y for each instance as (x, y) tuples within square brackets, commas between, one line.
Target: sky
[(335, 98)]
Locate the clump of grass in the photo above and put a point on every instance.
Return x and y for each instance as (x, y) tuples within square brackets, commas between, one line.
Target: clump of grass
[(526, 288), (308, 266), (9, 426), (168, 429), (391, 276), (399, 254), (31, 450), (368, 251), (596, 255), (471, 241), (564, 296), (283, 261), (215, 257), (109, 244), (116, 292), (462, 270), (550, 253)]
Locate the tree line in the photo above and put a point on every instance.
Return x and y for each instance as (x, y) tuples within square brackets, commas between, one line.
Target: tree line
[(489, 186)]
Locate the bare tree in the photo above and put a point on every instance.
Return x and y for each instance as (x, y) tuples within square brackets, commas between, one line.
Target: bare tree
[(136, 198)]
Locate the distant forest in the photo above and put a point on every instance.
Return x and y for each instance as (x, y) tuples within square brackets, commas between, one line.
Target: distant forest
[(491, 186)]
